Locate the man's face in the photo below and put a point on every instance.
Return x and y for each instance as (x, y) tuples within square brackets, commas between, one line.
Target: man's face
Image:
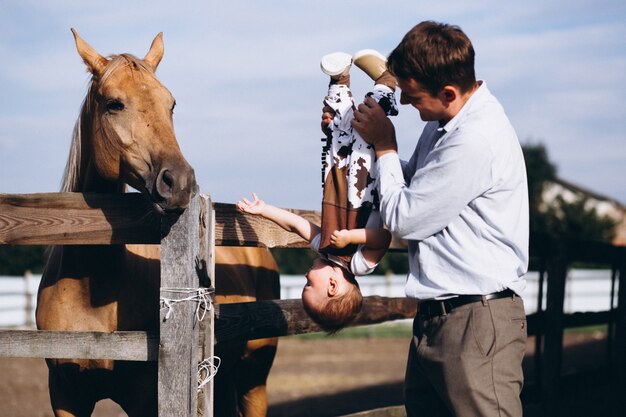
[(430, 108)]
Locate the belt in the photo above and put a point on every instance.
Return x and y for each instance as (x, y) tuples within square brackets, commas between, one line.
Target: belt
[(434, 308)]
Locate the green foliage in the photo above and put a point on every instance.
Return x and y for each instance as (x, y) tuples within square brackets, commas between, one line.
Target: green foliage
[(560, 218), (577, 220), (15, 260), (293, 261), (393, 263), (539, 170)]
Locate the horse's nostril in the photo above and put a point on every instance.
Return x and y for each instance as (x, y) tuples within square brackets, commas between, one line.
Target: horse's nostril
[(175, 187), (165, 184), (168, 179)]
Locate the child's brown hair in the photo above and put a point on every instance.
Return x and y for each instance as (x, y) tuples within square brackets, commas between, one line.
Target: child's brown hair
[(340, 310)]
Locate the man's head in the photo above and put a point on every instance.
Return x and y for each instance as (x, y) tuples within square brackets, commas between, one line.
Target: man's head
[(331, 296), (434, 61)]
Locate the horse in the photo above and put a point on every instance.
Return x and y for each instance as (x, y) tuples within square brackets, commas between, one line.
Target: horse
[(124, 136)]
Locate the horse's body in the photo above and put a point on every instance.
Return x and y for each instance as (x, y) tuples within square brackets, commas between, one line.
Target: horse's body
[(125, 136)]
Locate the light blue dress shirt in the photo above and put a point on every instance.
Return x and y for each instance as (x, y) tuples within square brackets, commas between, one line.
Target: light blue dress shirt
[(461, 201)]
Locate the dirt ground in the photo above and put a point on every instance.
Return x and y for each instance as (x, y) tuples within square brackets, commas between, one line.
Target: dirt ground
[(310, 377)]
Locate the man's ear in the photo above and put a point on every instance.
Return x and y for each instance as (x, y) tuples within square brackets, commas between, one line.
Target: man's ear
[(448, 94), (333, 286)]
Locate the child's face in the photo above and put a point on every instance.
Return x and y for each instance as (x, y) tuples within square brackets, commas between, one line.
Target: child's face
[(323, 281)]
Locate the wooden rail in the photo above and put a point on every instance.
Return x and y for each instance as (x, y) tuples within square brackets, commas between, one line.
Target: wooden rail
[(74, 218), (188, 241)]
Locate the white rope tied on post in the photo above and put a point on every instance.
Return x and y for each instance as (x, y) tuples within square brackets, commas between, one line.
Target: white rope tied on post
[(207, 369), (200, 295)]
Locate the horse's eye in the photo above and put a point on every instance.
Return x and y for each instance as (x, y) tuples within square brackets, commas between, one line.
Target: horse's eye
[(115, 105)]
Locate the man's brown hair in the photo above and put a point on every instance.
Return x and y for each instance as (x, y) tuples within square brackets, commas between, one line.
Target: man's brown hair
[(435, 55)]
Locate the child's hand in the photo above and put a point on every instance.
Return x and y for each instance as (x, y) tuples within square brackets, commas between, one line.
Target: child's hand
[(340, 238), (251, 207)]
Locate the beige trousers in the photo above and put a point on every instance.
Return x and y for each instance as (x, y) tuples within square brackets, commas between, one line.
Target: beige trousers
[(468, 363)]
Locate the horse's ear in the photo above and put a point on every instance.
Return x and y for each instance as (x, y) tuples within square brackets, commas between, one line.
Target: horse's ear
[(94, 61), (154, 55)]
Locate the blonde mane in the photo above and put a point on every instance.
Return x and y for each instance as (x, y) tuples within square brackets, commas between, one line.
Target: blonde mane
[(78, 158)]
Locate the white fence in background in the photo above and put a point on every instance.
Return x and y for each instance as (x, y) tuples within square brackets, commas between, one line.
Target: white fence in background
[(586, 290)]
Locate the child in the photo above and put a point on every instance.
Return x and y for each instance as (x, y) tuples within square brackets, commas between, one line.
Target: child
[(351, 240), (331, 295), (347, 161)]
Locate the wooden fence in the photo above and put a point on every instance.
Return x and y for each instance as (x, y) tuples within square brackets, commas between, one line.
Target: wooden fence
[(189, 241), (555, 258), (187, 260)]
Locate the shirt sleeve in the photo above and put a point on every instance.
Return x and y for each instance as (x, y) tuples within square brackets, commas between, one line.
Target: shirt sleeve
[(315, 243), (454, 173)]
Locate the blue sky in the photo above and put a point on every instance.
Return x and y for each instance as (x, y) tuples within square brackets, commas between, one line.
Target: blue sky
[(248, 86)]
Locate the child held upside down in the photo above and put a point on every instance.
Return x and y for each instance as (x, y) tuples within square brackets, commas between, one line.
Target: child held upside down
[(351, 240), (331, 295)]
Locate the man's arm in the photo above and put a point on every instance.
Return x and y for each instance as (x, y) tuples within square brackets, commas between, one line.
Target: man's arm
[(289, 221), (375, 127)]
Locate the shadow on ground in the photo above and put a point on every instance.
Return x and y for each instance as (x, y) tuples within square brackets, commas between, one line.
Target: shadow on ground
[(583, 395)]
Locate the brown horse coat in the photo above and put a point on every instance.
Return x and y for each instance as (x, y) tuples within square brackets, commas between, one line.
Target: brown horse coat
[(125, 135)]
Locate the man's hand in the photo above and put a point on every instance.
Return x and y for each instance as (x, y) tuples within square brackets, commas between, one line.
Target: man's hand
[(328, 114), (251, 207), (375, 127)]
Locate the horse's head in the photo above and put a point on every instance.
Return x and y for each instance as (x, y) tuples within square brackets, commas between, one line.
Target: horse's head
[(131, 127)]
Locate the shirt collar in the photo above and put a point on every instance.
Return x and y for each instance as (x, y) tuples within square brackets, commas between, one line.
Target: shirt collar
[(480, 91)]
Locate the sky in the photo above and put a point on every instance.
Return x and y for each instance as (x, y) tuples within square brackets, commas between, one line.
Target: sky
[(248, 86)]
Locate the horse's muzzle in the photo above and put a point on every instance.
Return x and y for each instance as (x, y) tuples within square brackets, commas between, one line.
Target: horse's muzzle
[(174, 188)]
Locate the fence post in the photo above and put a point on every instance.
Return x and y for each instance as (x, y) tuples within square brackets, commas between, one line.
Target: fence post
[(553, 325), (207, 279), (178, 347), (618, 370)]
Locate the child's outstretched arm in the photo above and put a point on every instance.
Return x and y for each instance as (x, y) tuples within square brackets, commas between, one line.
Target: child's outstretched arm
[(289, 221), (375, 241)]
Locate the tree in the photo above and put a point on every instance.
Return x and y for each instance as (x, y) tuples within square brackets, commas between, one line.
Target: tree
[(539, 171), (577, 219)]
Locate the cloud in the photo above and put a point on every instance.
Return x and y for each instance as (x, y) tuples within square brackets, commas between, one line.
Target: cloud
[(247, 81)]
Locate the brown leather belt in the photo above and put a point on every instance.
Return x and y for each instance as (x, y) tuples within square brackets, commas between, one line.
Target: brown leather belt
[(434, 308)]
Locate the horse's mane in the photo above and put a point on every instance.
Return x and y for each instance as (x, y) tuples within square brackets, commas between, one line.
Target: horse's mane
[(78, 158)]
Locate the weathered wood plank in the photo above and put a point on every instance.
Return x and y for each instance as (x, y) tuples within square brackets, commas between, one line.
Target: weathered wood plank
[(287, 317), (178, 346), (206, 349), (73, 218), (128, 346), (77, 218), (234, 228)]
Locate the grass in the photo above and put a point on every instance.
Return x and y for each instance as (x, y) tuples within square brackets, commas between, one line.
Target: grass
[(599, 328)]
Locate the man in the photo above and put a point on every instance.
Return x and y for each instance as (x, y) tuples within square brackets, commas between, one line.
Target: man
[(461, 201)]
